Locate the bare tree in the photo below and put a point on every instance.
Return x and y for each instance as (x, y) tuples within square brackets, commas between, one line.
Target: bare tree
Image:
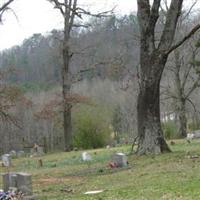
[(69, 10), (153, 57), (185, 80)]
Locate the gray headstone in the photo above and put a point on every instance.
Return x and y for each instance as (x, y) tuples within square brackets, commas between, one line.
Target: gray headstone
[(120, 159), (20, 154), (37, 151), (24, 183), (197, 134), (9, 180), (40, 151), (6, 160)]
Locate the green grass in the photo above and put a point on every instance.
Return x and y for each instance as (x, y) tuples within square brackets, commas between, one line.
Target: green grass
[(173, 176)]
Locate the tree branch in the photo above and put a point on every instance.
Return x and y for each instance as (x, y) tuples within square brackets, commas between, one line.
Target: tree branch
[(4, 8), (143, 13), (196, 84), (170, 25), (154, 13), (101, 14), (5, 5), (58, 5), (178, 44)]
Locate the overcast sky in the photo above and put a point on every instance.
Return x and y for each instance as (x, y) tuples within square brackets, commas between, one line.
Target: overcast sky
[(38, 16)]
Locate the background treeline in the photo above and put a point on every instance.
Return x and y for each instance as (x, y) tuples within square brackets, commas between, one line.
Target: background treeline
[(105, 78)]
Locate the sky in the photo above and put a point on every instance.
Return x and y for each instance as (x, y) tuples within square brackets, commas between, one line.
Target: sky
[(38, 16)]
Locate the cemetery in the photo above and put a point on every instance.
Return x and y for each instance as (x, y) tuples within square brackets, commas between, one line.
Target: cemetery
[(99, 100), (90, 174)]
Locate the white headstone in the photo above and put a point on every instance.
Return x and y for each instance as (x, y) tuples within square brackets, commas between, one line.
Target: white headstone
[(6, 160), (86, 156)]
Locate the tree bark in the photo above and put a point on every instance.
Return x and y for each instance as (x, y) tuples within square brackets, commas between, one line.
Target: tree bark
[(66, 90), (66, 77), (153, 57), (150, 133), (66, 86), (182, 119)]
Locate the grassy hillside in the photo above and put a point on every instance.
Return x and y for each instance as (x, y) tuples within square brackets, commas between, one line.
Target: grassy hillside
[(169, 176)]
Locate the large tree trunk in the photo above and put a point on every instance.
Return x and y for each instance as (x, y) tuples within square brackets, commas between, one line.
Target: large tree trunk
[(154, 52), (66, 85), (153, 57), (150, 133), (66, 76)]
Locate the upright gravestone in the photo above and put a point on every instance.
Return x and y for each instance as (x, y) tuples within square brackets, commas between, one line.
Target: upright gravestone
[(6, 160), (21, 182), (37, 151), (9, 180), (20, 154), (86, 156), (24, 183), (120, 160), (40, 151)]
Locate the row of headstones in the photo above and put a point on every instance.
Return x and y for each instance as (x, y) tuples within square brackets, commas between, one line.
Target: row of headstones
[(6, 158), (19, 181)]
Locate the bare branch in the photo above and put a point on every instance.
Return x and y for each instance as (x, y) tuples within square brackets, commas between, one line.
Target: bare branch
[(194, 86), (4, 8), (5, 5), (170, 25), (190, 10), (191, 102), (73, 13), (154, 13), (190, 34), (191, 65), (81, 25), (99, 15), (144, 9), (58, 5)]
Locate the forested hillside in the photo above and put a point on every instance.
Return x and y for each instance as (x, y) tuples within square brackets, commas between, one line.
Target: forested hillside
[(105, 74)]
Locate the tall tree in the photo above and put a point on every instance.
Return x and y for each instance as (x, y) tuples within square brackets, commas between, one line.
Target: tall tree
[(153, 57), (69, 10), (185, 81)]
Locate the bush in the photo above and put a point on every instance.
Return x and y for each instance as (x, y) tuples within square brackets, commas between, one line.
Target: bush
[(91, 128), (170, 130)]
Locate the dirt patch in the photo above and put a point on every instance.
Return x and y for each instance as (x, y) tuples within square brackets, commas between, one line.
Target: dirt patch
[(54, 180)]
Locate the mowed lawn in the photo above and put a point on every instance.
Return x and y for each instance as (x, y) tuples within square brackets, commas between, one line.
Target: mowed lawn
[(64, 176)]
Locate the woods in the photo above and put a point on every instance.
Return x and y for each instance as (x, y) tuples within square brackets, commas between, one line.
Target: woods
[(55, 75)]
